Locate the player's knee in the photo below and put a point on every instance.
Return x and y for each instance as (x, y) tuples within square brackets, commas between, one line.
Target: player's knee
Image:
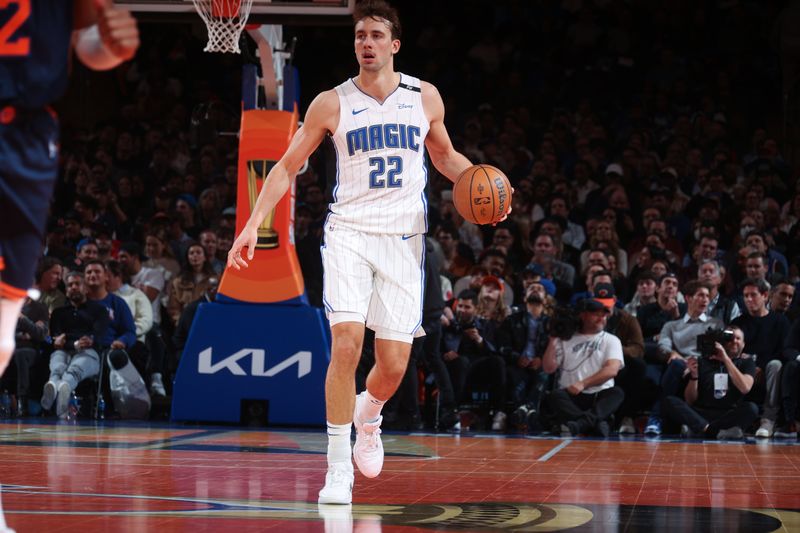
[(393, 369)]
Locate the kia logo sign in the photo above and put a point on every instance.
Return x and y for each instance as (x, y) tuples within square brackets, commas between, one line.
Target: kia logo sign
[(257, 363)]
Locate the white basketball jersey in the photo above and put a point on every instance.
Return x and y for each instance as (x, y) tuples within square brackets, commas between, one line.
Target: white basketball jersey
[(380, 161)]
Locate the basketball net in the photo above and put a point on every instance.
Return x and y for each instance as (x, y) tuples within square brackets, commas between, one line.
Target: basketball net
[(225, 20)]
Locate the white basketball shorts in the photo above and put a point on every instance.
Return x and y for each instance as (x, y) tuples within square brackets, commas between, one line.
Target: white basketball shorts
[(376, 279)]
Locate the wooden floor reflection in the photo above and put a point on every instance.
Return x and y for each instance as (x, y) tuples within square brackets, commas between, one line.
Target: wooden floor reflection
[(90, 478)]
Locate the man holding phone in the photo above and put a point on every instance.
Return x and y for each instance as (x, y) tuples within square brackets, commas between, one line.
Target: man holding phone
[(713, 404)]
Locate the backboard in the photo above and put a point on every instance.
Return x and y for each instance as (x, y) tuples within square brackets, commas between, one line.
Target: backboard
[(262, 10)]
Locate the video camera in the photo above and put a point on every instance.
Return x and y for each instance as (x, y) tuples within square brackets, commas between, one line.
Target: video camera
[(705, 342)]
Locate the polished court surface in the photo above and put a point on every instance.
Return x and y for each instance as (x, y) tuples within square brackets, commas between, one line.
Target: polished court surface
[(136, 478)]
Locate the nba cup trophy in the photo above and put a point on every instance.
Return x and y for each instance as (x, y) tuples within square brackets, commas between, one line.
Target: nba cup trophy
[(256, 174), (259, 346)]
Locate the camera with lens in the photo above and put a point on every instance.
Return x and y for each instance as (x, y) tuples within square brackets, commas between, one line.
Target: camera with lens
[(563, 323), (706, 341)]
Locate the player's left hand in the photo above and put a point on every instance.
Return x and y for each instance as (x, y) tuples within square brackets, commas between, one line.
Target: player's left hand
[(118, 29)]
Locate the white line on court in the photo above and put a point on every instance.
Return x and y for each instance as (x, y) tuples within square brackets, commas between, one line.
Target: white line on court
[(554, 451)]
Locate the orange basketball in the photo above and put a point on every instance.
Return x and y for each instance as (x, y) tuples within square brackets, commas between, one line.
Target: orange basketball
[(482, 194)]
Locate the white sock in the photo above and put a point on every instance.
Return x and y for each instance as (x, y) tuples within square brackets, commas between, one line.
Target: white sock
[(339, 443), (370, 408), (9, 314)]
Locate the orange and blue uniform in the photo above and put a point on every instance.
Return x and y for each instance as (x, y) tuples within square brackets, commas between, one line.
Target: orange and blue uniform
[(34, 56)]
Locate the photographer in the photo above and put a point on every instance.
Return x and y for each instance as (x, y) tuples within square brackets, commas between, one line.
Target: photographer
[(471, 358), (588, 362), (713, 404), (677, 341)]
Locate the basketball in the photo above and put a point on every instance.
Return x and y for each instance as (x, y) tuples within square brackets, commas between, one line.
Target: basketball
[(482, 194)]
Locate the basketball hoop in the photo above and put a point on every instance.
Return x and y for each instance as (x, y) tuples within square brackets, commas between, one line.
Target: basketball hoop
[(225, 20)]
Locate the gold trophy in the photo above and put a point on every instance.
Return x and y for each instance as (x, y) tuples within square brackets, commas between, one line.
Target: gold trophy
[(258, 170)]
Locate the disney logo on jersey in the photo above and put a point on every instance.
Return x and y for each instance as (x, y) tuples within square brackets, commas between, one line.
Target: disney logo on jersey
[(380, 136), (405, 106)]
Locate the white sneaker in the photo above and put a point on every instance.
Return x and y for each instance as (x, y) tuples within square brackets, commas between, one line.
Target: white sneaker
[(368, 449), (157, 385), (62, 399), (338, 487), (499, 421), (337, 518), (627, 427), (765, 430), (49, 395)]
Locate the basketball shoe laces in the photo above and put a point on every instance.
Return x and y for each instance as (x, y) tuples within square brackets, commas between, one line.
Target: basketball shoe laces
[(339, 476), (372, 434)]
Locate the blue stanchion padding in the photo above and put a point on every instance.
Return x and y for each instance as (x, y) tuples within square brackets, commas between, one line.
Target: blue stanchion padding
[(254, 352), (291, 87)]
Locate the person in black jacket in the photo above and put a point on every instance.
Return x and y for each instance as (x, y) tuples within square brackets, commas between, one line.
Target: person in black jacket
[(77, 330), (471, 358), (32, 328), (522, 339)]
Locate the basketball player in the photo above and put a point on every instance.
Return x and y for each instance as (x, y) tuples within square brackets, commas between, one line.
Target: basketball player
[(381, 123), (36, 37)]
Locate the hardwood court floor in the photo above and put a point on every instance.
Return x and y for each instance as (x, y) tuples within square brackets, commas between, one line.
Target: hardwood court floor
[(133, 478)]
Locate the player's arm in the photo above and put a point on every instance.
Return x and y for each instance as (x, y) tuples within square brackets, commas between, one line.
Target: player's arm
[(105, 35), (322, 117), (444, 157)]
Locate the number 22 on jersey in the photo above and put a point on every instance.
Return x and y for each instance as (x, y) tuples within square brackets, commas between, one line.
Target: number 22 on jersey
[(11, 45)]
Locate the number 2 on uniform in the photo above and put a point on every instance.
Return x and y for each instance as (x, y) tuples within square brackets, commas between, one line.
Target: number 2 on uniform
[(21, 46)]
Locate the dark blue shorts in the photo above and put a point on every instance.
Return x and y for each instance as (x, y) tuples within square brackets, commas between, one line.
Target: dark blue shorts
[(28, 171)]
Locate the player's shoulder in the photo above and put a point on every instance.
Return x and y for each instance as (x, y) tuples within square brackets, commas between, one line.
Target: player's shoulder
[(324, 109)]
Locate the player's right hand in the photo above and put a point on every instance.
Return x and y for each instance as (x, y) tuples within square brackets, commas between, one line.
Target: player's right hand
[(246, 239), (118, 29)]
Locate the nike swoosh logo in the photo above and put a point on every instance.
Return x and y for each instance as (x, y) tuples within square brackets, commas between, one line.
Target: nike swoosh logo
[(406, 237), (359, 111)]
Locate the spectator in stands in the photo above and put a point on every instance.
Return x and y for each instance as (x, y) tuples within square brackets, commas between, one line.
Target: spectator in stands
[(764, 335), (77, 330), (790, 385), (645, 293), (191, 283), (631, 378), (121, 331), (588, 362), (522, 340), (148, 363), (677, 341), (458, 257), (48, 281), (652, 317), (720, 306), (208, 239), (781, 295), (160, 255), (472, 361), (713, 404), (30, 335), (545, 254)]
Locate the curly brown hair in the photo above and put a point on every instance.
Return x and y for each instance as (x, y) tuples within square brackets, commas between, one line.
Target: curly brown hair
[(378, 10)]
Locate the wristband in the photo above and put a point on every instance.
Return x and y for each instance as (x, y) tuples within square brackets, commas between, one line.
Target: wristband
[(692, 379)]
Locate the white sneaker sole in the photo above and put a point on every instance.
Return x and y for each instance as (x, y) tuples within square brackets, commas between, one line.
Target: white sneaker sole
[(48, 395)]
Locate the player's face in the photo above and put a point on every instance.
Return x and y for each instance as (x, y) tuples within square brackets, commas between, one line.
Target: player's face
[(374, 44)]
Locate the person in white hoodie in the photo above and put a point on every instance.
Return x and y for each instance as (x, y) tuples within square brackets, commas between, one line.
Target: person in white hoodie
[(142, 312)]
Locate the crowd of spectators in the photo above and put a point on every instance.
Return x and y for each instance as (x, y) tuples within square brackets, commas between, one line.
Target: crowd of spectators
[(643, 141)]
